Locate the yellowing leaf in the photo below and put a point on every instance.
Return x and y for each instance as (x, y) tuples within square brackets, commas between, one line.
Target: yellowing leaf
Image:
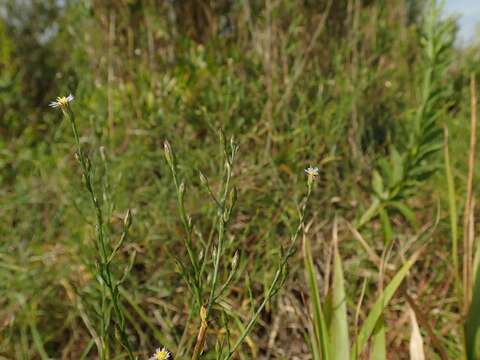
[(416, 341)]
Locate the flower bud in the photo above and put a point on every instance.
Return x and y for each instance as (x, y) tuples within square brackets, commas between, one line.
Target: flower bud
[(168, 153), (221, 134), (235, 260), (233, 197), (181, 190), (203, 179), (127, 220), (103, 154)]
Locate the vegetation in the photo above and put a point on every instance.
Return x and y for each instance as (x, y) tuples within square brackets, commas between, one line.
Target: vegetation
[(237, 180)]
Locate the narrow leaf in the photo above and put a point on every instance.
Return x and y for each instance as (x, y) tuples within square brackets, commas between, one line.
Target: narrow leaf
[(320, 336), (377, 183), (377, 309), (386, 226), (472, 322), (370, 213), (406, 212), (339, 324), (379, 347), (416, 341)]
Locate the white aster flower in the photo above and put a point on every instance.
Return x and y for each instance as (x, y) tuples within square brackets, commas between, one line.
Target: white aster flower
[(312, 171), (61, 101), (161, 354)]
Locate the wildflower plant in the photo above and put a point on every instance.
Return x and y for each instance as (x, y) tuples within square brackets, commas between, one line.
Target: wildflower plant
[(205, 273), (106, 252)]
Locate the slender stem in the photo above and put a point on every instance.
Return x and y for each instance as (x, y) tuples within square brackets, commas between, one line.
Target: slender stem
[(223, 214), (221, 230), (209, 245), (188, 242), (221, 235), (272, 290), (106, 283), (468, 238)]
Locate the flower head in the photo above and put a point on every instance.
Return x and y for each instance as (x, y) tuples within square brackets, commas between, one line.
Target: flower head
[(312, 171), (61, 101), (161, 354)]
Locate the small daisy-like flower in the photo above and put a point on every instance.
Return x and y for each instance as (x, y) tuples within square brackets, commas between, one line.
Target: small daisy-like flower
[(161, 354), (61, 101), (312, 171)]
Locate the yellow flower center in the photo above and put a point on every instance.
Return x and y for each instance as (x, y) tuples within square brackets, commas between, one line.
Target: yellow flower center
[(62, 101), (162, 355)]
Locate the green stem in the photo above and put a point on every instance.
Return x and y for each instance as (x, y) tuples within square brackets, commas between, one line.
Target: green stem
[(272, 290), (106, 282), (221, 235)]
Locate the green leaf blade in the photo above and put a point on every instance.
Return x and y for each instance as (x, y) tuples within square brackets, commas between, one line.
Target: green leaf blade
[(339, 324)]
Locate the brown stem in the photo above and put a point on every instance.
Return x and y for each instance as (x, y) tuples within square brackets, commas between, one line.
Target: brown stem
[(468, 212), (202, 332)]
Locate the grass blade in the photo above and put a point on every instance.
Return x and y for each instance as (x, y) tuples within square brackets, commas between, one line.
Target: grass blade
[(339, 324), (452, 210), (472, 323), (375, 313), (37, 340), (379, 347), (320, 332)]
